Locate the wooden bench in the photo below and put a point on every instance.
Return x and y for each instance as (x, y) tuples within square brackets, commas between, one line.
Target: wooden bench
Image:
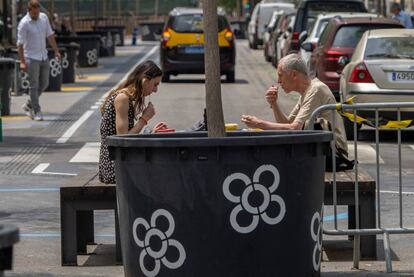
[(78, 200), (345, 187), (84, 194)]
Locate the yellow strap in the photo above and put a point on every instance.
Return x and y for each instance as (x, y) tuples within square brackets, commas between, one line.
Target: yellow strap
[(396, 124), (350, 116)]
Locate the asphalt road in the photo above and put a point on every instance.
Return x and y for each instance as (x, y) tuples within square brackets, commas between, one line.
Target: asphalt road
[(36, 158)]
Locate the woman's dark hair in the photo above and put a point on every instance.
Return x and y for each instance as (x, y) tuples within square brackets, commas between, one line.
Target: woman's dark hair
[(148, 70)]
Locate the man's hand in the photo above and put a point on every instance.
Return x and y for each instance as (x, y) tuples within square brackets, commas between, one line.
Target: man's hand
[(57, 55), (251, 121), (23, 66), (271, 95)]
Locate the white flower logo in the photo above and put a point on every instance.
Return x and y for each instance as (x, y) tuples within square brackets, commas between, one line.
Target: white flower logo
[(243, 203), (317, 238), (25, 80), (92, 56), (65, 61), (153, 234), (55, 67)]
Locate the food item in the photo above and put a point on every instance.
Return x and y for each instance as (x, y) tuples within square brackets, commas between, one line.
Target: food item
[(232, 126)]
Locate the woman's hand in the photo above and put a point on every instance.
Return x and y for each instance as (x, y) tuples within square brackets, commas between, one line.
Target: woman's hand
[(271, 95), (148, 112), (159, 126), (251, 121)]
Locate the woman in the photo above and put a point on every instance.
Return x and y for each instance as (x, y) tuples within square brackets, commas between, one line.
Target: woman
[(121, 110)]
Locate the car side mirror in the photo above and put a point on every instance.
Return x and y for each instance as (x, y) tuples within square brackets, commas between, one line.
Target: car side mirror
[(289, 29), (343, 60), (302, 37), (307, 46)]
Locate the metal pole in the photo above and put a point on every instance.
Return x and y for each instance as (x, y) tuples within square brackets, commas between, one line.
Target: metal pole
[(215, 117), (156, 7), (357, 238), (378, 169), (118, 8), (72, 14), (400, 171), (14, 21)]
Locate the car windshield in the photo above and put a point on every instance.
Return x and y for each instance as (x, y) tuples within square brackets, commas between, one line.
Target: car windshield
[(316, 8), (349, 35), (193, 23), (321, 26), (390, 48)]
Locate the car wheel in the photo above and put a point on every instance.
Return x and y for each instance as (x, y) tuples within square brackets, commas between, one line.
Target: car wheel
[(231, 77), (349, 128), (165, 78)]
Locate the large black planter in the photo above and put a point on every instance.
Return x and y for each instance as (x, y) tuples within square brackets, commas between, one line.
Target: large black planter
[(118, 31), (89, 48), (9, 235), (249, 204), (6, 72), (55, 69)]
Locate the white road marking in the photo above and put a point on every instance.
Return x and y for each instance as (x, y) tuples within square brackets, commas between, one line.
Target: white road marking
[(366, 154), (69, 132), (40, 169), (397, 192), (72, 129), (411, 146), (95, 107), (89, 153)]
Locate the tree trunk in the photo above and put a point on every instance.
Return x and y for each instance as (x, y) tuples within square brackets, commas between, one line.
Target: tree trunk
[(214, 106)]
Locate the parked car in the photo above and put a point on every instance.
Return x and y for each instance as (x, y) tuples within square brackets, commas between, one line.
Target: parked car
[(182, 49), (380, 70), (270, 28), (260, 17), (308, 10), (282, 48), (280, 28), (310, 38), (339, 39)]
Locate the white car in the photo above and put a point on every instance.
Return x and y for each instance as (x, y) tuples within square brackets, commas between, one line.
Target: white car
[(380, 70), (312, 35), (260, 17), (270, 27)]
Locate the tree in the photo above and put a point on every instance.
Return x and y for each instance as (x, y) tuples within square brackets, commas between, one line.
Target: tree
[(214, 105)]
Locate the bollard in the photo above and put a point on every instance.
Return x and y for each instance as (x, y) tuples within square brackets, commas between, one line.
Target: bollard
[(134, 36)]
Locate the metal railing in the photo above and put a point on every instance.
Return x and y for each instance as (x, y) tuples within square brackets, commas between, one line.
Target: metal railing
[(380, 229)]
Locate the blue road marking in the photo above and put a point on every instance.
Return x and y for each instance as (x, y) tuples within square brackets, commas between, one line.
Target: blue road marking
[(30, 190), (339, 216)]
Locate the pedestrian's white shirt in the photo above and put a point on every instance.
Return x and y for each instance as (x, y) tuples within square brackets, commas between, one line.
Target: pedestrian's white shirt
[(32, 34)]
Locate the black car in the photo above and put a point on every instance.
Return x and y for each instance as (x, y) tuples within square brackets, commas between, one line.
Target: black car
[(182, 44)]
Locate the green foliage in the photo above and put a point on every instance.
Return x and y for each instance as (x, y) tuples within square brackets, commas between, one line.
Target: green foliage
[(227, 4)]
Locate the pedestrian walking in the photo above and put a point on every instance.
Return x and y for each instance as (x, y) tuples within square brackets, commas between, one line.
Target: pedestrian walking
[(401, 16), (33, 31), (124, 112)]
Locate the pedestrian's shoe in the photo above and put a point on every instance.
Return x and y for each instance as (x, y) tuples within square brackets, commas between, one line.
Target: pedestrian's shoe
[(28, 110), (38, 116)]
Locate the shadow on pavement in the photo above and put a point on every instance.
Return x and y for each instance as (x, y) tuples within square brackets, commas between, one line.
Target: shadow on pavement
[(101, 255), (342, 250)]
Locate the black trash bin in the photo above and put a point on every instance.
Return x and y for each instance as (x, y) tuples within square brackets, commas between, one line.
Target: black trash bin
[(55, 70), (6, 72), (88, 55), (117, 31), (20, 83), (9, 235), (107, 45), (249, 204), (69, 60), (151, 30)]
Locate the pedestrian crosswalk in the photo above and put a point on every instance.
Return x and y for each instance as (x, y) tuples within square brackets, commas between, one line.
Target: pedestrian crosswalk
[(89, 153)]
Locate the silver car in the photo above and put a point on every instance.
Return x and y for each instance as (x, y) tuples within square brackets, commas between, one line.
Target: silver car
[(380, 70)]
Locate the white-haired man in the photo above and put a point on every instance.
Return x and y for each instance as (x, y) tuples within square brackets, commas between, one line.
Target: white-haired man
[(293, 76)]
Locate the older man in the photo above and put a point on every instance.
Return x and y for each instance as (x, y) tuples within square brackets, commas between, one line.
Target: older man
[(32, 32), (293, 76)]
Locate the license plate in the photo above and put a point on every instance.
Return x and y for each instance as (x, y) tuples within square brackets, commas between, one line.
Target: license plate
[(194, 50), (402, 76)]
